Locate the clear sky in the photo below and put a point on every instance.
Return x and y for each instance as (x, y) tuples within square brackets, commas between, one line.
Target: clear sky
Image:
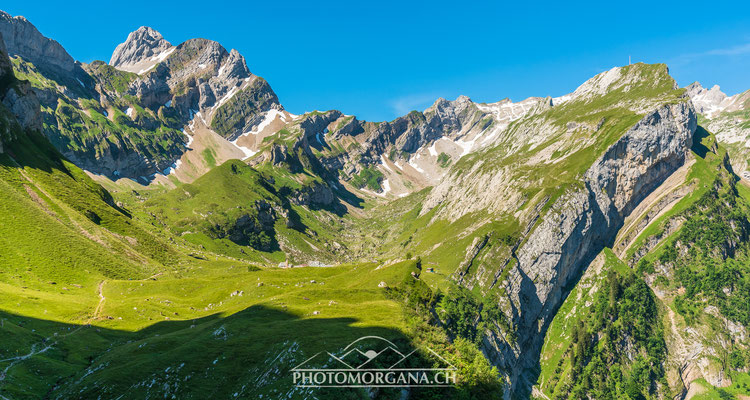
[(380, 59)]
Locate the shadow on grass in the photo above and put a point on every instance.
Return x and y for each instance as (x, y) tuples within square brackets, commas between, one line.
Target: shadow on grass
[(248, 354), (698, 147)]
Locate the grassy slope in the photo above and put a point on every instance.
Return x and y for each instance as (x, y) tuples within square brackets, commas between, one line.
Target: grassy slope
[(51, 290), (109, 304), (234, 339), (231, 190)]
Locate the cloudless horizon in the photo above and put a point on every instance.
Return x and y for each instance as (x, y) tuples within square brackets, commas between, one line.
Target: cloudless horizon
[(379, 60)]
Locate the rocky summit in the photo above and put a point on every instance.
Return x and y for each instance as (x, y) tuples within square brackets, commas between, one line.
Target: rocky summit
[(169, 230), (144, 49)]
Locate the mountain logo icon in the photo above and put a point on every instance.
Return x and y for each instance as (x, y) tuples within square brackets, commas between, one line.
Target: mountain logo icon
[(373, 361)]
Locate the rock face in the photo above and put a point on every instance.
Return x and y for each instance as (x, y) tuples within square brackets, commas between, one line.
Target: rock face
[(6, 68), (247, 227), (596, 164), (23, 103), (141, 51), (582, 222), (198, 75), (315, 195), (17, 97), (22, 38)]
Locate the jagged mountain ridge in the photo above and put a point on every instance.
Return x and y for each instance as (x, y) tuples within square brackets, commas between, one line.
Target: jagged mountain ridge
[(119, 123), (199, 83), (728, 117)]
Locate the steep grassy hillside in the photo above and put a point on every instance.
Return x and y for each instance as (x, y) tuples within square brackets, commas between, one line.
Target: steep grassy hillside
[(263, 213)]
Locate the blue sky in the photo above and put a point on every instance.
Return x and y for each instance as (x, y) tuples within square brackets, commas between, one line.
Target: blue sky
[(380, 59)]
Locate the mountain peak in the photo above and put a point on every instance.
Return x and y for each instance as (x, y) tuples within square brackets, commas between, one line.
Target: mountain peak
[(22, 38), (146, 31), (709, 102), (626, 78), (143, 49)]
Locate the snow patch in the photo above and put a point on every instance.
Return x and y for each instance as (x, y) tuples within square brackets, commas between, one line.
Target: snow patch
[(466, 146), (386, 186), (270, 116), (163, 55), (248, 152), (157, 59), (172, 168), (226, 97), (415, 166), (198, 114), (432, 150), (141, 72), (189, 139), (129, 112), (385, 164)]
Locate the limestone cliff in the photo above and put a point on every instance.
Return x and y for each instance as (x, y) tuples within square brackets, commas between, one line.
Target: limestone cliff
[(585, 220)]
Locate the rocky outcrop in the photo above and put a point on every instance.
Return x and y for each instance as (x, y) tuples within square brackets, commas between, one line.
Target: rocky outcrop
[(6, 67), (245, 110), (254, 229), (197, 75), (22, 38), (457, 123), (476, 246), (414, 130), (23, 103), (141, 51), (315, 195), (17, 97), (712, 102), (585, 220)]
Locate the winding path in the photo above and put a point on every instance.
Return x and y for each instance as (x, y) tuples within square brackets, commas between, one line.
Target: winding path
[(100, 306), (50, 342)]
